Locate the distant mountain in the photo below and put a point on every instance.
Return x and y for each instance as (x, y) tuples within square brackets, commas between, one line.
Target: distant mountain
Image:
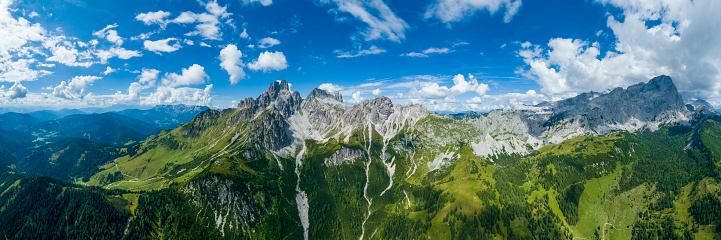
[(466, 115), (12, 120), (69, 159), (46, 115), (165, 116), (110, 128)]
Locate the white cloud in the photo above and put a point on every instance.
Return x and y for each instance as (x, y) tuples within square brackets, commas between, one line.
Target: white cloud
[(530, 97), (456, 10), (33, 14), (68, 55), (268, 61), (262, 2), (428, 51), (19, 70), (244, 34), (142, 36), (148, 76), (169, 95), (75, 89), (330, 87), (208, 24), (356, 98), (460, 86), (373, 50), (121, 53), (268, 42), (16, 91), (110, 34), (475, 99), (188, 42), (193, 75), (230, 61), (17, 39), (414, 54), (381, 21), (162, 45), (675, 38), (153, 18), (202, 44), (377, 92), (109, 70)]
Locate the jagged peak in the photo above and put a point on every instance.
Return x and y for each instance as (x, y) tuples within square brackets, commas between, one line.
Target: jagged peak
[(379, 101), (278, 95), (661, 83), (279, 85), (318, 93)]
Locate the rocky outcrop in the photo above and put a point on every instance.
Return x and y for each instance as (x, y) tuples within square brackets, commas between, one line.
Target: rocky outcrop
[(230, 205), (270, 130), (343, 155)]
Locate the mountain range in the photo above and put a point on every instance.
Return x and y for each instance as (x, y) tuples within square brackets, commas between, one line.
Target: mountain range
[(639, 162)]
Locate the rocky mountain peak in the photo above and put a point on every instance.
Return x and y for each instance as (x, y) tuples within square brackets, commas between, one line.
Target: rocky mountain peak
[(277, 96), (322, 94)]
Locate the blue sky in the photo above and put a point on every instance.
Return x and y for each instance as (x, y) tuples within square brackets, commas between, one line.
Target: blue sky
[(449, 55)]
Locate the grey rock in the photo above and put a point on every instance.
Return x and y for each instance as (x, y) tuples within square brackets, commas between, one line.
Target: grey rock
[(343, 155)]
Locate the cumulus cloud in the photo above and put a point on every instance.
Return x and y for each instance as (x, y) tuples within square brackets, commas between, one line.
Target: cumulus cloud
[(109, 70), (381, 21), (69, 56), (162, 45), (169, 95), (148, 76), (16, 91), (456, 10), (18, 38), (153, 17), (268, 61), (460, 86), (373, 50), (356, 98), (330, 87), (675, 38), (475, 99), (230, 62), (75, 89), (20, 70), (377, 92), (110, 34), (268, 42), (193, 75)]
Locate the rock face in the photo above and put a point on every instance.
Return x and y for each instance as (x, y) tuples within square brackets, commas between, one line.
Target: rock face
[(643, 101), (641, 106), (278, 96), (281, 118), (343, 155)]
